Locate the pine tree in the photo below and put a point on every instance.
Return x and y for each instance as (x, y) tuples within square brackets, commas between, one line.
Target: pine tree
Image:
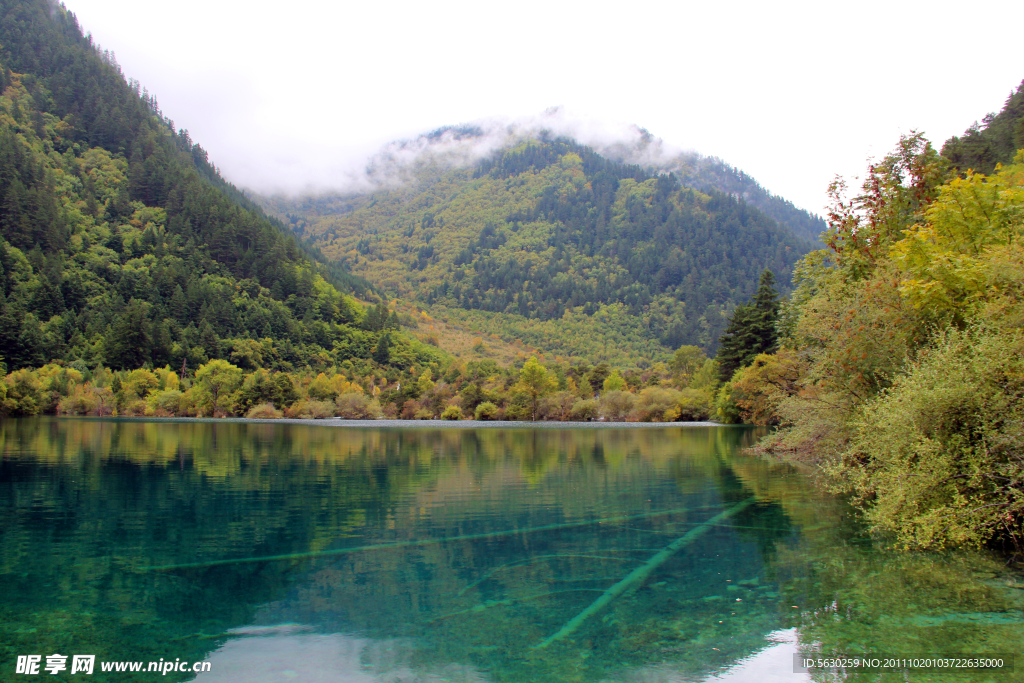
[(751, 329), (766, 307), (382, 354)]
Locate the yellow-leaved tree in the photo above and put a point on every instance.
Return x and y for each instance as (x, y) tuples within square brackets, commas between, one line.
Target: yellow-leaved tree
[(958, 258), (535, 380), (215, 381), (901, 373)]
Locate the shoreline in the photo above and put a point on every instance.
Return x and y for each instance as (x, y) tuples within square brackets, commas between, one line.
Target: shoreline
[(403, 424)]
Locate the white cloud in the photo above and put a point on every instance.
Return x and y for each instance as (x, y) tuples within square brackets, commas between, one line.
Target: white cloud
[(792, 92)]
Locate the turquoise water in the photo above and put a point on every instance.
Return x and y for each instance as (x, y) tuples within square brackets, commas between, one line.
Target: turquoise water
[(295, 552)]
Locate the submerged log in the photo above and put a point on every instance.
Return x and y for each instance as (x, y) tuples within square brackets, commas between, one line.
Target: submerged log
[(636, 577)]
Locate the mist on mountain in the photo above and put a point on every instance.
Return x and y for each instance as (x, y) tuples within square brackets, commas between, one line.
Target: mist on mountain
[(464, 145)]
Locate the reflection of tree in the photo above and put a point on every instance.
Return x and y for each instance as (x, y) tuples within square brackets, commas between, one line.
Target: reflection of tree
[(504, 596), (897, 603), (155, 493), (92, 502), (857, 597), (89, 504)]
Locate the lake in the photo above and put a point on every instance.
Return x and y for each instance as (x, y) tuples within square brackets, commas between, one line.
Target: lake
[(338, 553)]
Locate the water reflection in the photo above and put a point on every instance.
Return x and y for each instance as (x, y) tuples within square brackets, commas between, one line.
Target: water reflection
[(284, 551), (327, 658), (336, 658)]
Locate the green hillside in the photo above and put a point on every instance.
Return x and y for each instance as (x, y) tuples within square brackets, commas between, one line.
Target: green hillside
[(994, 141), (708, 172), (549, 242), (121, 245), (711, 172)]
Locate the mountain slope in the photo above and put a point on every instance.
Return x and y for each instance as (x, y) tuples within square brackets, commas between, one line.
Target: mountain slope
[(465, 145), (121, 244), (550, 234), (994, 141), (711, 173)]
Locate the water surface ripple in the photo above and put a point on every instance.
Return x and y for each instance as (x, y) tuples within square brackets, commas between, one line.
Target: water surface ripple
[(381, 553)]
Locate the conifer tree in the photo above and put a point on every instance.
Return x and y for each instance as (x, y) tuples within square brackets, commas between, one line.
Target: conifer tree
[(751, 329), (382, 354)]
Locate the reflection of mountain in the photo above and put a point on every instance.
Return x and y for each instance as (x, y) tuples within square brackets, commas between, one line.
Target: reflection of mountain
[(134, 494), (498, 538)]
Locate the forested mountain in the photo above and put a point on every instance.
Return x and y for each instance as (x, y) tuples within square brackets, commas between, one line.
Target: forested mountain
[(708, 172), (711, 172), (466, 144), (994, 141), (549, 241), (121, 244)]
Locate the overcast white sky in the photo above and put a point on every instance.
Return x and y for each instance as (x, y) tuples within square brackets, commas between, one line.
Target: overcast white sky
[(285, 95)]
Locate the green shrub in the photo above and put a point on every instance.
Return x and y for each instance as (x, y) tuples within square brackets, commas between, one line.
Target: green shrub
[(135, 407), (584, 410), (617, 405), (486, 411), (24, 393), (693, 406), (166, 403), (86, 400), (78, 403), (264, 411), (519, 406), (556, 406), (311, 410), (658, 404), (452, 413), (356, 406), (726, 409), (938, 459)]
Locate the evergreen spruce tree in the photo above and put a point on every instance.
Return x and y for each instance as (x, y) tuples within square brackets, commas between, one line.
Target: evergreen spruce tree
[(382, 354), (751, 329)]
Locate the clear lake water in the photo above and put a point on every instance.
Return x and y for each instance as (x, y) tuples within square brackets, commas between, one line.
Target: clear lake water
[(332, 553)]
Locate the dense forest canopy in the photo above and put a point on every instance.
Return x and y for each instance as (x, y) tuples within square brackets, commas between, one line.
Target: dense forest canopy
[(548, 234), (711, 172), (120, 243), (465, 145)]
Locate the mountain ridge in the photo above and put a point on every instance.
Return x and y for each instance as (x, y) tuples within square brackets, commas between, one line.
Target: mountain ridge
[(465, 145), (547, 232)]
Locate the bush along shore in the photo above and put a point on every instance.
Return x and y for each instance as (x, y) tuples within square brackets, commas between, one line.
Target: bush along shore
[(899, 368), (682, 390)]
